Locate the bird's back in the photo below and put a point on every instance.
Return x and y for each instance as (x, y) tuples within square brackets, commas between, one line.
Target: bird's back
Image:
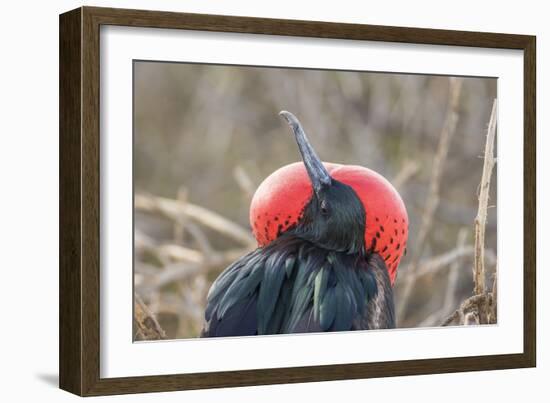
[(293, 286)]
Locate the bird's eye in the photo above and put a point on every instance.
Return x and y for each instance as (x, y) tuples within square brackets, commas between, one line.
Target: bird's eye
[(324, 208)]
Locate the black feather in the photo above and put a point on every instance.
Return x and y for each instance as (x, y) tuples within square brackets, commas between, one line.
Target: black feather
[(239, 320), (270, 287), (327, 310)]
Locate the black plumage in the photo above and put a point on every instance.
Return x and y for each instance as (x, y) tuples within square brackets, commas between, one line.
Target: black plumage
[(316, 277), (294, 286)]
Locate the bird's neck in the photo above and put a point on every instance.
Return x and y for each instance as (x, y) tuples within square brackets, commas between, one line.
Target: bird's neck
[(337, 241), (303, 243)]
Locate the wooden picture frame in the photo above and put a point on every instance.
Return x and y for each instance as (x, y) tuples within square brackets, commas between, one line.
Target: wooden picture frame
[(80, 199)]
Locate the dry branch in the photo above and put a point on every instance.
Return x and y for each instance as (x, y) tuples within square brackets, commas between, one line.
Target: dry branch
[(174, 210), (481, 308), (471, 304), (145, 324), (245, 182), (493, 312), (434, 264), (216, 258), (169, 274), (181, 223), (182, 265), (452, 282), (408, 170), (481, 218), (432, 200), (171, 252)]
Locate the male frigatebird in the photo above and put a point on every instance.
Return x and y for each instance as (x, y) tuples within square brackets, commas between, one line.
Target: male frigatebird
[(330, 238)]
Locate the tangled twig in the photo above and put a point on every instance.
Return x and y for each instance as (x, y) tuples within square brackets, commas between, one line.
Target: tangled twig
[(481, 308), (146, 325)]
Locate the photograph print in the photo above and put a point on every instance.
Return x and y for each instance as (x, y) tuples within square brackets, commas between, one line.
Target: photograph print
[(273, 200)]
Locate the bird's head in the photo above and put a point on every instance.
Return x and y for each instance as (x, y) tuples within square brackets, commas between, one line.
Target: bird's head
[(344, 208)]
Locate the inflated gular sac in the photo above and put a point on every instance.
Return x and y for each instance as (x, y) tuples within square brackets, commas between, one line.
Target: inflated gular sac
[(386, 222)]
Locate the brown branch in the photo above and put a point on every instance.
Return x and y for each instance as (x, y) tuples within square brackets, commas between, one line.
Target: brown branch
[(452, 282), (493, 312), (469, 305), (170, 252), (481, 308), (432, 199), (146, 326), (173, 209), (182, 221), (245, 182), (481, 218), (171, 273), (408, 170), (436, 263), (215, 258)]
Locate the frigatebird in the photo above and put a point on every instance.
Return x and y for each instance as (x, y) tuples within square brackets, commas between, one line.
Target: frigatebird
[(330, 238)]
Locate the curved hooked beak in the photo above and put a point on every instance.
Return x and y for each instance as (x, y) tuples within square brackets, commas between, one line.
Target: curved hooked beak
[(318, 174)]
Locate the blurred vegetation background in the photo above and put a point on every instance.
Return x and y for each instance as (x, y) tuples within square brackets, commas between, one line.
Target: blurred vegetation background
[(205, 136)]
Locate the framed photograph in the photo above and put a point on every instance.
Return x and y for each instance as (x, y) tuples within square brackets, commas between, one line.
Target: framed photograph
[(250, 201)]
